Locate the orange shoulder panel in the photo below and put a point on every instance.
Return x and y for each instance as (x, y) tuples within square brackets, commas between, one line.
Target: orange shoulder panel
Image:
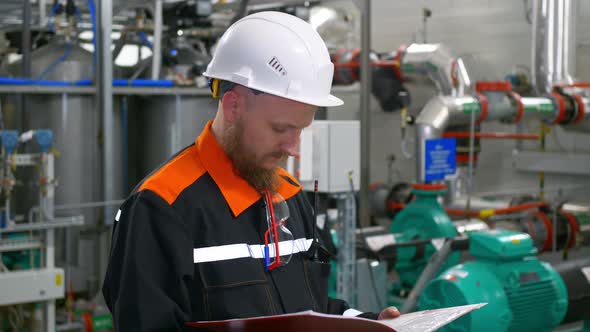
[(172, 178), (286, 189)]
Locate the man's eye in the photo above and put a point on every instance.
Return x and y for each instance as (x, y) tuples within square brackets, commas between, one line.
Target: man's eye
[(279, 130)]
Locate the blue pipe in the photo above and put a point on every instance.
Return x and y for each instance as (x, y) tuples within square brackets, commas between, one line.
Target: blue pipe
[(144, 39), (92, 11), (51, 14), (78, 14), (86, 82), (143, 83)]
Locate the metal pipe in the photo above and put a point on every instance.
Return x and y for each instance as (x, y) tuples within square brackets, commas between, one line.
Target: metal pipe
[(538, 109), (442, 111), (365, 114), (431, 269), (42, 12), (48, 199), (438, 113), (105, 96), (464, 80), (437, 63), (26, 60), (471, 161), (157, 51), (26, 39), (570, 14), (553, 43)]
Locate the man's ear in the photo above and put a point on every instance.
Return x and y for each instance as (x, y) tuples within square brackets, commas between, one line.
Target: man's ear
[(230, 104)]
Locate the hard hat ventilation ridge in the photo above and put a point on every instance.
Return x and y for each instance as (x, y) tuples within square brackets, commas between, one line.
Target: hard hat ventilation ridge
[(276, 66)]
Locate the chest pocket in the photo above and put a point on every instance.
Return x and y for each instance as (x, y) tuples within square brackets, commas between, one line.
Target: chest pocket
[(236, 289)]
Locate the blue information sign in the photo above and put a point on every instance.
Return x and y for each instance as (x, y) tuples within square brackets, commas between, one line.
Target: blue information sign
[(440, 158)]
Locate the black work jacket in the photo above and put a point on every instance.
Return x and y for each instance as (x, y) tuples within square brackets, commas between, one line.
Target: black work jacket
[(177, 246)]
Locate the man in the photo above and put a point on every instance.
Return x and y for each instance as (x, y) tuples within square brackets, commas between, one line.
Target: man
[(196, 239)]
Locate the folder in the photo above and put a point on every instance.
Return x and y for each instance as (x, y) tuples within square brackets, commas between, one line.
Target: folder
[(309, 321)]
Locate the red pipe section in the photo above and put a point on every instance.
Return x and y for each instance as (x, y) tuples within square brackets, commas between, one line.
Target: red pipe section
[(494, 135), (429, 187), (575, 228), (574, 85), (581, 109), (460, 212), (548, 244), (483, 101), (520, 106), (508, 210)]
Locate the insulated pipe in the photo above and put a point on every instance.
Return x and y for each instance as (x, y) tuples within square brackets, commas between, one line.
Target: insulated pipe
[(439, 65), (442, 111), (541, 109), (431, 123), (553, 43)]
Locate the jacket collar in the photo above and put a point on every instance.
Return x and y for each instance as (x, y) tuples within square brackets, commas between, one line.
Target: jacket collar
[(238, 193)]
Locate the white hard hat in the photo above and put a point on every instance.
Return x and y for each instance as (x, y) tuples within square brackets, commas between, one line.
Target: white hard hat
[(276, 53)]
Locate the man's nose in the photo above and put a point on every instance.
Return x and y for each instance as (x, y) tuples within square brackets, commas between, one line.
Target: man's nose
[(291, 144)]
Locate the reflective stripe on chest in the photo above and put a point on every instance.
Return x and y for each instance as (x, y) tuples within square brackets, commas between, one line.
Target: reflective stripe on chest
[(243, 250)]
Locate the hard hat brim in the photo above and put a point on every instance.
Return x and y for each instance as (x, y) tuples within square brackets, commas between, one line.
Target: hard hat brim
[(330, 101)]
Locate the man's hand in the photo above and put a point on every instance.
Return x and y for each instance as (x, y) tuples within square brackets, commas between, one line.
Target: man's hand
[(389, 313)]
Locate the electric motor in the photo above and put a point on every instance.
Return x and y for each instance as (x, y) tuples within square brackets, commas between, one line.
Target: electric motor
[(523, 293)]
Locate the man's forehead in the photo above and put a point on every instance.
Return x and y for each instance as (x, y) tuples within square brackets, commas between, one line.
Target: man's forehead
[(272, 99)]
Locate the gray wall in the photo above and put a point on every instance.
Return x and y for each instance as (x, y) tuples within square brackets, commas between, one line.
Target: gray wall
[(493, 37)]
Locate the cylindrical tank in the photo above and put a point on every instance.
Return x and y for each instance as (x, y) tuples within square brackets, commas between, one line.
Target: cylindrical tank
[(167, 124), (78, 135)]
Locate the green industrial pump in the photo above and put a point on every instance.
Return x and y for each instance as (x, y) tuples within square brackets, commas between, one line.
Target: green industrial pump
[(523, 293), (423, 218)]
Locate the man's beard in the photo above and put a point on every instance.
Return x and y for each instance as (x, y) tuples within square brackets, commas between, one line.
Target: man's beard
[(245, 163)]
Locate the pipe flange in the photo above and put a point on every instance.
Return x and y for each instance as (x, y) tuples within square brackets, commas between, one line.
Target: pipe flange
[(520, 106), (581, 109), (561, 107), (483, 102), (547, 222), (429, 187), (573, 227)]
